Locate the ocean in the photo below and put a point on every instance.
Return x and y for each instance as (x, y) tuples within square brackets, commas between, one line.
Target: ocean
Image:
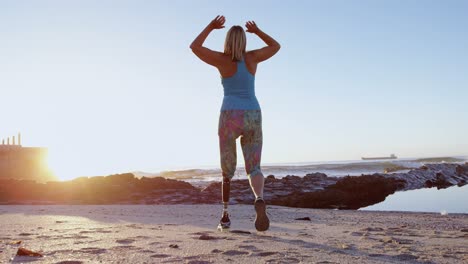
[(331, 168), (444, 201)]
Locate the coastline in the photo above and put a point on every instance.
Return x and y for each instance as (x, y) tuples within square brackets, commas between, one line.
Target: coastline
[(187, 234), (315, 190)]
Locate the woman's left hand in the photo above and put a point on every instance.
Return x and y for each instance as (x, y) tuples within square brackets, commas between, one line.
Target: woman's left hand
[(218, 22)]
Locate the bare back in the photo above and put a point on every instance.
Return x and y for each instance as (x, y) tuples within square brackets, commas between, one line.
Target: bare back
[(228, 67)]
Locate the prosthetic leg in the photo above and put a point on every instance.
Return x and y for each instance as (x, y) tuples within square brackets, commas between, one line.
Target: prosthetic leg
[(226, 189)]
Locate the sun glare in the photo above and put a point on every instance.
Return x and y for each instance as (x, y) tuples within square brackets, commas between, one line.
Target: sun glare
[(59, 166)]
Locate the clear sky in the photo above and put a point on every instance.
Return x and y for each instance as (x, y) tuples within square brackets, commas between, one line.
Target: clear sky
[(112, 86)]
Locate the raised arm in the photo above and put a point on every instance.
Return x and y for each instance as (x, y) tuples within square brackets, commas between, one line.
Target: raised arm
[(266, 52), (209, 56)]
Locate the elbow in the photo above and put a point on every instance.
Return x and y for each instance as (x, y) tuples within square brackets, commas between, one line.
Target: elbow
[(194, 46), (278, 47)]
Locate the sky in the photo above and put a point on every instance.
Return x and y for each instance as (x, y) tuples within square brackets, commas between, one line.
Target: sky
[(112, 86)]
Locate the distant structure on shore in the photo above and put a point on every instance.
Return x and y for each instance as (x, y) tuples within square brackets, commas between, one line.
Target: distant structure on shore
[(18, 162), (380, 158)]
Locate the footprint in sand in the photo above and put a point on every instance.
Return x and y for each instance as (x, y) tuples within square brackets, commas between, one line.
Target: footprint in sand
[(241, 232), (235, 253), (202, 233), (394, 240), (199, 262), (125, 241), (134, 226), (25, 234), (142, 237), (249, 247), (405, 257), (265, 253), (146, 251), (283, 260), (105, 231), (207, 237), (93, 250), (372, 229), (160, 256)]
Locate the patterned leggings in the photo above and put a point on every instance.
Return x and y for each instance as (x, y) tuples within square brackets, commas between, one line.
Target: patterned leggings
[(248, 125)]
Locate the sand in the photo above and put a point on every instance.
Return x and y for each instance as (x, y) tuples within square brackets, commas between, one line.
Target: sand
[(187, 234)]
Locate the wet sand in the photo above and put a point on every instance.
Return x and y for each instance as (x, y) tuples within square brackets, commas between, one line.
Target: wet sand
[(187, 234)]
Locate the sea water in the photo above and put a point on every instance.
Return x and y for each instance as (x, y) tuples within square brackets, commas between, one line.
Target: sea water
[(280, 170), (451, 200)]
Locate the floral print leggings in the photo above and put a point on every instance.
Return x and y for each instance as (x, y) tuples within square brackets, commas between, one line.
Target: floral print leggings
[(248, 125)]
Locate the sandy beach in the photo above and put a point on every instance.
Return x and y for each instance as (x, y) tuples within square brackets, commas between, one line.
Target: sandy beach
[(187, 234)]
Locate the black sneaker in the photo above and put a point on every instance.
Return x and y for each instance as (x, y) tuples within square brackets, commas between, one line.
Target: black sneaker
[(262, 223), (225, 222)]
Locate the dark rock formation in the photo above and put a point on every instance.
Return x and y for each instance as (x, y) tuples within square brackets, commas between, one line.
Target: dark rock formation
[(440, 182), (314, 190), (347, 193), (119, 188), (317, 190)]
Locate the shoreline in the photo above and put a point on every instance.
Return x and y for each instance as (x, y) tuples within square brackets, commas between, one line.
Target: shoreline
[(316, 190)]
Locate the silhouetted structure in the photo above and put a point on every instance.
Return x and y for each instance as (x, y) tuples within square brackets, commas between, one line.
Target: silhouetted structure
[(18, 162)]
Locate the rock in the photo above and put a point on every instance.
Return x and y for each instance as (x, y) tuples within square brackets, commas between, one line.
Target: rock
[(395, 168), (120, 178), (345, 246), (314, 190), (174, 246), (460, 170), (440, 182), (26, 252), (303, 218), (316, 175), (350, 192)]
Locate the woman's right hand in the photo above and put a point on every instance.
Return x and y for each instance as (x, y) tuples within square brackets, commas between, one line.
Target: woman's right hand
[(218, 22), (251, 27)]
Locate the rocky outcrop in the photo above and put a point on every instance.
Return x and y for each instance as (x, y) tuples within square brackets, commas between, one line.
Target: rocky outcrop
[(440, 175), (347, 193), (315, 190), (118, 188)]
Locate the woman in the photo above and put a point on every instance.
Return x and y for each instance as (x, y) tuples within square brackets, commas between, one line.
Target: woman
[(240, 112)]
